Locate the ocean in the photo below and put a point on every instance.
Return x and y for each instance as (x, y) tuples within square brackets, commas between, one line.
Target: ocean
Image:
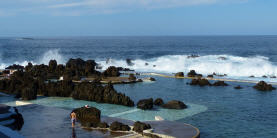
[(216, 111)]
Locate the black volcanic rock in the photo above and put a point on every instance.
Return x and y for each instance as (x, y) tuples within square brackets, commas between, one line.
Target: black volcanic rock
[(111, 71), (145, 104), (132, 77), (96, 92), (174, 104), (263, 86), (103, 125), (200, 82), (129, 62), (238, 87), (15, 67), (192, 73), (117, 126), (179, 74), (158, 102), (52, 65), (220, 83), (140, 126), (89, 117)]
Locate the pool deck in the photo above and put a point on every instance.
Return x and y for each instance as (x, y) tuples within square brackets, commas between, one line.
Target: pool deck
[(45, 121)]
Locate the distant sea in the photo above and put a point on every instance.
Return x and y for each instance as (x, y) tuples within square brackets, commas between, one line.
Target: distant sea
[(228, 112)]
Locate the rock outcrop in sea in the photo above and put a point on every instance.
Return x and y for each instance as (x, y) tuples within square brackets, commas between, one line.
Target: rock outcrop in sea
[(263, 86)]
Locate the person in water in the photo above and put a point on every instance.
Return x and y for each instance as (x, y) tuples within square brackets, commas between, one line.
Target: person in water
[(73, 118)]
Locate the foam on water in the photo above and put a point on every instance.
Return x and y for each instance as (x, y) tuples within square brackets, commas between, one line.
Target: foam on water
[(44, 59), (232, 65)]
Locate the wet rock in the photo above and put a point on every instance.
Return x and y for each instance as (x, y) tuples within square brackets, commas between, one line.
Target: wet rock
[(132, 77), (140, 126), (103, 125), (238, 87), (264, 76), (200, 82), (174, 104), (15, 67), (29, 93), (179, 74), (88, 117), (61, 89), (192, 73), (263, 86), (146, 64), (52, 65), (111, 71), (145, 104), (252, 76), (154, 66), (117, 126), (129, 62), (210, 76), (96, 92), (159, 102), (272, 76), (220, 83)]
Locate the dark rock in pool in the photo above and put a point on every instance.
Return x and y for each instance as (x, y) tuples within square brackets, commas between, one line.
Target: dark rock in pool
[(145, 104), (146, 64), (174, 104), (272, 76), (159, 102), (89, 117), (129, 62), (111, 72), (140, 126), (238, 87), (15, 67), (132, 77), (179, 74), (220, 83), (210, 76), (117, 126), (103, 125), (192, 73), (264, 76), (200, 82), (263, 86), (252, 76)]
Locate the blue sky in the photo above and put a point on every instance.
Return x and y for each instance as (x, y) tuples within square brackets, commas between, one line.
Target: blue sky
[(137, 17)]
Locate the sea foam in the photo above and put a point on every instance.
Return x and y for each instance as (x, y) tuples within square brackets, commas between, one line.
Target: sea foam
[(208, 64)]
